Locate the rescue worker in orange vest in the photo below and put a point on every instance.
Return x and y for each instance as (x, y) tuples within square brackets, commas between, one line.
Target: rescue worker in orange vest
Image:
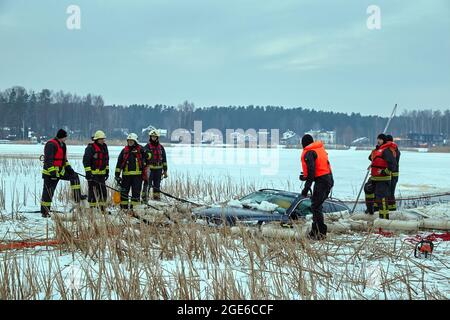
[(131, 162), (56, 167), (377, 189), (96, 166), (392, 205), (157, 166), (316, 168)]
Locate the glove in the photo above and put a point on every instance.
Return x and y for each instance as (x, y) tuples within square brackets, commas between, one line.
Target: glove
[(386, 172), (305, 192), (70, 170), (53, 175), (106, 177), (89, 175), (302, 177), (118, 179)]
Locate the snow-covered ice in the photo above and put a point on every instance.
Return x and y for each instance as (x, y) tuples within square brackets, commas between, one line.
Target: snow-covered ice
[(21, 183)]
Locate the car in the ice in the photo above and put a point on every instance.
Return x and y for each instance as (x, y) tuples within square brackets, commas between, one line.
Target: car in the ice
[(263, 206)]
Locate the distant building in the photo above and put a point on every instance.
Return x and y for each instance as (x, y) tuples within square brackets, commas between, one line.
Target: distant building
[(421, 140), (290, 138), (327, 137)]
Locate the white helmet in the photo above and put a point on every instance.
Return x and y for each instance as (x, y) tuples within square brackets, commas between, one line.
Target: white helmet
[(133, 136), (99, 135), (154, 133)]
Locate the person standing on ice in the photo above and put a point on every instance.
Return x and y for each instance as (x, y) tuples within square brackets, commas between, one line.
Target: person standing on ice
[(316, 169), (56, 167), (131, 163), (157, 166), (96, 166), (377, 189), (392, 205)]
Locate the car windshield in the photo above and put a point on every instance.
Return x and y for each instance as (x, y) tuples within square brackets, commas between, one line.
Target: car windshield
[(284, 201)]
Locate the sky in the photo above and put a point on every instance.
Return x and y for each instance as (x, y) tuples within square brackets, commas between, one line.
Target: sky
[(293, 53)]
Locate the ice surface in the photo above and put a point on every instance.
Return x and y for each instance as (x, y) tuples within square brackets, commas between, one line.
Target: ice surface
[(267, 168)]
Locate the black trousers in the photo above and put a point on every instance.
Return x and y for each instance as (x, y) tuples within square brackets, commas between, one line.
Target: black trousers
[(321, 191), (97, 194), (377, 193), (154, 181), (133, 183), (392, 205), (50, 187)]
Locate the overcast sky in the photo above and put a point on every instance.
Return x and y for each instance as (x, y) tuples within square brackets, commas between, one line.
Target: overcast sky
[(309, 53)]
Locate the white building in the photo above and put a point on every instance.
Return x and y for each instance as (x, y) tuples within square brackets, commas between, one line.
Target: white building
[(327, 137)]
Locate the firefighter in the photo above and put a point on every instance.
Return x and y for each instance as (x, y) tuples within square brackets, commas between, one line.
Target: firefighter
[(377, 189), (131, 163), (96, 166), (157, 166), (56, 167), (392, 205), (316, 168)]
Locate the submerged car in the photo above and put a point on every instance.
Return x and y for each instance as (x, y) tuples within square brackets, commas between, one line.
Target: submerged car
[(265, 205)]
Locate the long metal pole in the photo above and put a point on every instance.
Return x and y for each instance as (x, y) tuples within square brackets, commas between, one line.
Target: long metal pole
[(368, 169)]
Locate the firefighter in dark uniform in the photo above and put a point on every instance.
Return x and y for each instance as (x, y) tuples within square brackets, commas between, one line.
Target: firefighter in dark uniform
[(157, 166), (392, 204), (378, 188), (316, 169), (96, 166), (131, 163), (56, 167)]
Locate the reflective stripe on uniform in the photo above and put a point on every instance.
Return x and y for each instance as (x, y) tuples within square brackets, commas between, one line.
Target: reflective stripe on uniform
[(51, 169), (381, 178), (370, 195), (99, 172), (384, 212), (132, 173), (75, 187), (46, 204), (395, 174)]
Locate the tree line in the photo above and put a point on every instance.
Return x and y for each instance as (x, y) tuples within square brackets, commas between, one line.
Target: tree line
[(44, 112)]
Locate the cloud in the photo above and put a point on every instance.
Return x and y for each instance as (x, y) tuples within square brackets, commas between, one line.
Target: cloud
[(181, 52), (283, 46), (311, 51), (349, 44)]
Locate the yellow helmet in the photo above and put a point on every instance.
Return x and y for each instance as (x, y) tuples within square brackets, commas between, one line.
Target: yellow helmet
[(133, 136), (154, 133), (99, 134)]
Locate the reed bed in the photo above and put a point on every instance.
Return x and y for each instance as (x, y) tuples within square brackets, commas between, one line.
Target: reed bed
[(119, 259), (116, 257)]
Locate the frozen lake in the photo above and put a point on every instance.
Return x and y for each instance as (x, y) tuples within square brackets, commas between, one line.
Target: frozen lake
[(275, 168)]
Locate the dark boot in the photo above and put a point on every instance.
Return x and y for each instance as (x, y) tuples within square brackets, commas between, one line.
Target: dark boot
[(156, 196), (318, 232)]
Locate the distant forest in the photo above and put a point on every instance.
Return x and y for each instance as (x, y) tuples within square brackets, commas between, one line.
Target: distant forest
[(24, 111)]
